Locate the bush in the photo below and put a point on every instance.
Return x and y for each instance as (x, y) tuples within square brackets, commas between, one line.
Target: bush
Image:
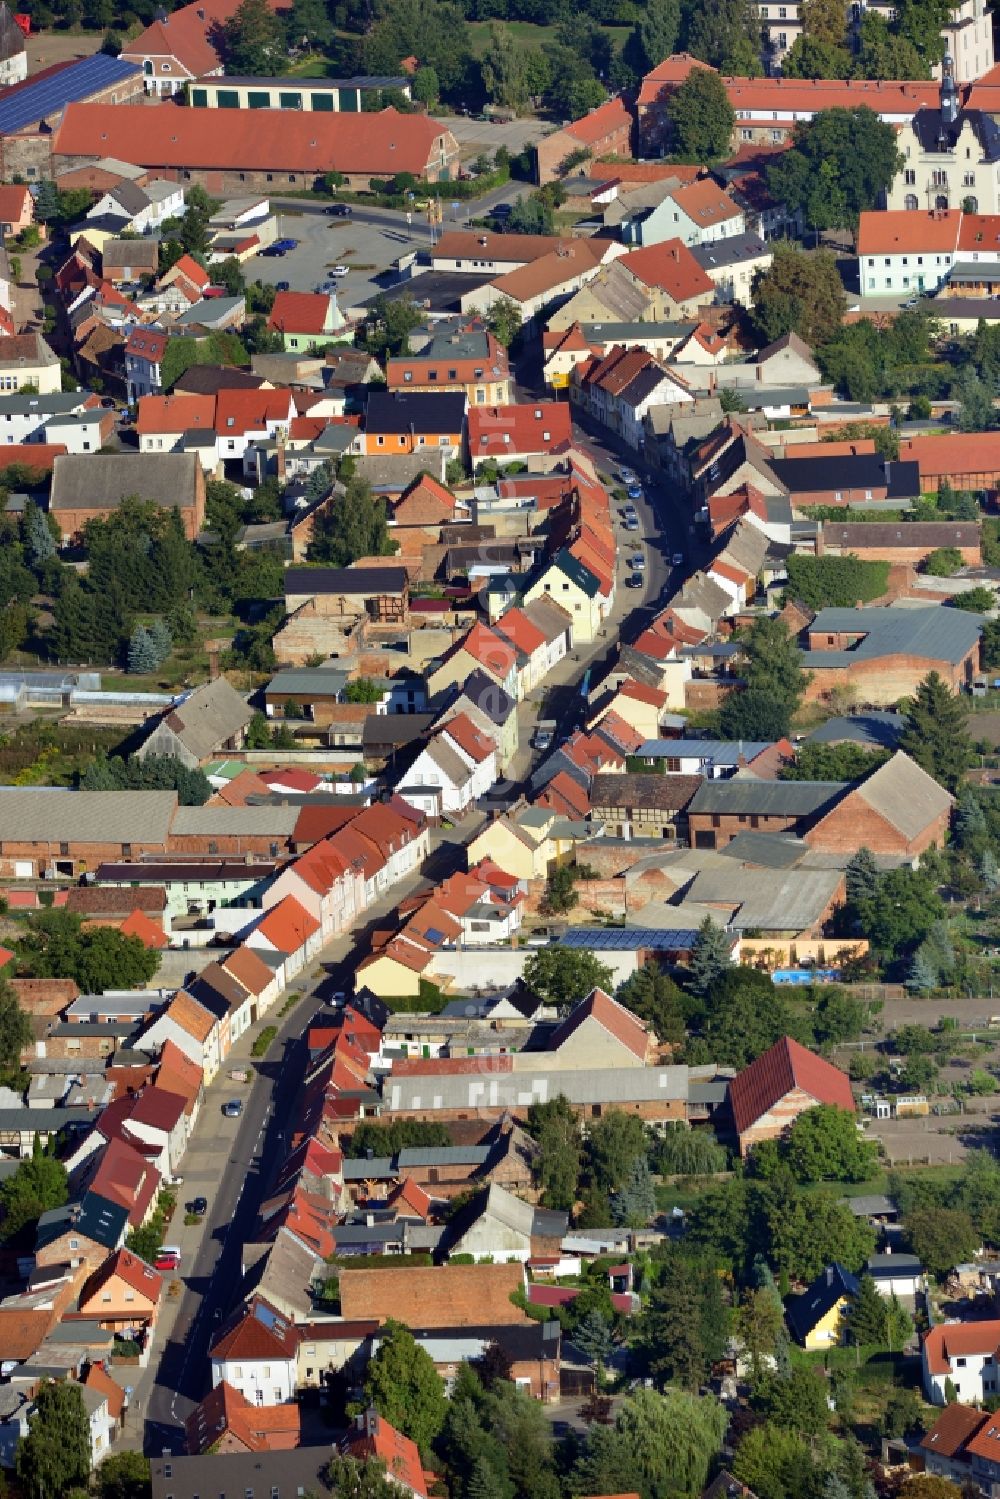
[(943, 562), (263, 1042)]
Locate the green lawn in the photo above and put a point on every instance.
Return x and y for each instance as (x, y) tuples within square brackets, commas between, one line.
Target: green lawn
[(685, 1194), (526, 35)]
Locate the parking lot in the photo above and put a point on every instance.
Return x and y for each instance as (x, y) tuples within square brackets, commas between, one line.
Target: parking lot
[(370, 241)]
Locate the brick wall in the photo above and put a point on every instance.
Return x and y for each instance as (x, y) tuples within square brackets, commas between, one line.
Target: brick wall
[(774, 1123), (190, 843), (82, 856), (853, 824), (885, 680), (730, 825), (555, 148)]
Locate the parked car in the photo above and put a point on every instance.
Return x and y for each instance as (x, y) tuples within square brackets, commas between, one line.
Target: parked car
[(628, 476), (233, 1109), (542, 739), (173, 1181), (339, 210), (632, 523), (198, 1206), (167, 1259), (678, 559), (637, 561), (634, 491), (282, 286), (108, 403), (502, 210), (340, 270), (634, 580)]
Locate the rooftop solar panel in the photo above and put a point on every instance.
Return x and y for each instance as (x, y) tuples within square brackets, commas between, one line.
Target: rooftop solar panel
[(628, 939), (51, 94)]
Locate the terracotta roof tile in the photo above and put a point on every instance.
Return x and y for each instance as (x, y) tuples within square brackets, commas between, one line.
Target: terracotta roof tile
[(784, 1066), (439, 1296)]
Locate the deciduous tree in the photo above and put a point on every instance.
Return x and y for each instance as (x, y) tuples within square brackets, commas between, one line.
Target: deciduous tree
[(799, 293), (840, 163), (55, 1454), (701, 117), (404, 1386), (562, 975)]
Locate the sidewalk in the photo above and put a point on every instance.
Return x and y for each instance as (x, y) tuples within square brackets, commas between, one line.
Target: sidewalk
[(216, 1145)]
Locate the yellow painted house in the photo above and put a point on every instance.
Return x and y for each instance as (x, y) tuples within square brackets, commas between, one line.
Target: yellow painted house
[(394, 971), (568, 583), (518, 841), (818, 1318)]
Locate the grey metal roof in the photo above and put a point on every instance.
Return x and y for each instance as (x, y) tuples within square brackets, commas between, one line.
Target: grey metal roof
[(86, 480), (871, 1205), (275, 821), (879, 730), (717, 751), (617, 332), (49, 96), (327, 681), (906, 796), (769, 850), (744, 794), (931, 633), (588, 1085), (881, 1266), (51, 815), (775, 900)]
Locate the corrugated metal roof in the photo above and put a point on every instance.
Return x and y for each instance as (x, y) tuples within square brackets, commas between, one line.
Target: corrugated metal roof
[(767, 798), (48, 815), (933, 633)]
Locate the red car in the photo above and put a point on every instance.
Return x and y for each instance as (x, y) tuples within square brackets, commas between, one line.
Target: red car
[(167, 1259)]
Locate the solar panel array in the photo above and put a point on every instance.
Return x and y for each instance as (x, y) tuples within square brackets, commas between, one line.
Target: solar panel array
[(25, 106)]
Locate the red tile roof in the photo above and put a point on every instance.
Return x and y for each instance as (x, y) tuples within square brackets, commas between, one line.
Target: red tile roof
[(168, 136), (784, 1066), (224, 1411), (148, 344), (241, 411), (469, 739), (260, 1333), (603, 121), (287, 926), (96, 1379), (187, 35), (610, 1016), (671, 267), (398, 1453), (125, 1177), (899, 231), (13, 202), (32, 455), (138, 924), (950, 1340), (158, 1108), (129, 1268), (516, 627), (953, 1428), (168, 414), (248, 969), (495, 431), (299, 312)]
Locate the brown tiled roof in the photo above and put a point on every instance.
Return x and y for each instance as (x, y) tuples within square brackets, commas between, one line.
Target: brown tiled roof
[(21, 1332), (663, 793), (97, 900), (610, 1015), (260, 1333), (784, 1066), (45, 996), (190, 1016), (952, 1429), (440, 1296)]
